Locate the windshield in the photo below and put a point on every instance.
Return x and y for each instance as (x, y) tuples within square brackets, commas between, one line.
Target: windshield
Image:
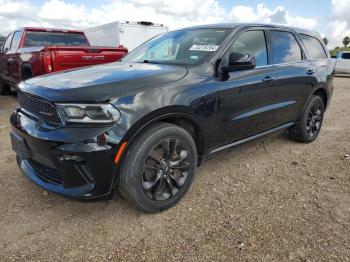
[(183, 47), (35, 38)]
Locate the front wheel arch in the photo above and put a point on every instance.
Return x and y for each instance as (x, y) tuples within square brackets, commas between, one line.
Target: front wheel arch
[(182, 119)]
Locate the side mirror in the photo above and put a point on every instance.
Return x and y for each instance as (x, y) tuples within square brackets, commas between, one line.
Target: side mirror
[(240, 61), (5, 50)]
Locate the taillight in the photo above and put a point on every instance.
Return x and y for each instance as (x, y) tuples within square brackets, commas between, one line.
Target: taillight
[(47, 62), (125, 50)]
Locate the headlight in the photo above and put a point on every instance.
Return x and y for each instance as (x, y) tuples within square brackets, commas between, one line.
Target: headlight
[(88, 113)]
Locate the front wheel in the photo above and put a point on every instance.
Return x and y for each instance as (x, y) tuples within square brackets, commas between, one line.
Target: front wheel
[(159, 168), (310, 123)]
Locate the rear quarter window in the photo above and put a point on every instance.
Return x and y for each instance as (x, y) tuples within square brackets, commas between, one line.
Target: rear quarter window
[(313, 47)]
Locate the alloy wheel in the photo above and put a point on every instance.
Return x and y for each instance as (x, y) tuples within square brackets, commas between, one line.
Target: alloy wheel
[(314, 120), (166, 169)]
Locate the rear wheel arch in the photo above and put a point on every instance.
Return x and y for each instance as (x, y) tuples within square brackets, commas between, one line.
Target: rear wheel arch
[(321, 92)]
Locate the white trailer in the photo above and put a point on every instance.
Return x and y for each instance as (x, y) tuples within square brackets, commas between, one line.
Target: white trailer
[(128, 34)]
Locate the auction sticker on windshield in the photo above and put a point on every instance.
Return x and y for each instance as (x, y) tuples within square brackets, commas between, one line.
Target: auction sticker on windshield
[(205, 48)]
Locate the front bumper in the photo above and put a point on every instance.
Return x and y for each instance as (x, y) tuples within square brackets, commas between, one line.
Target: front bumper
[(69, 161)]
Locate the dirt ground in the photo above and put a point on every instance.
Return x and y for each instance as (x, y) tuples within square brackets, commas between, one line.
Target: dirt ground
[(268, 200)]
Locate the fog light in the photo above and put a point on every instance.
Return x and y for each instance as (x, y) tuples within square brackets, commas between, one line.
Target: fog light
[(102, 140)]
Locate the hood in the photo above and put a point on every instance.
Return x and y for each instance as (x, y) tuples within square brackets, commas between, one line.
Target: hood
[(101, 83)]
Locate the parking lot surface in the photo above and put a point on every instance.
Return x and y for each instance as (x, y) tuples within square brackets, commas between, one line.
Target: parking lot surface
[(268, 200)]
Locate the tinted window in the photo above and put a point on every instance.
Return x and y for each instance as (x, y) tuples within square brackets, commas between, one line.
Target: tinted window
[(7, 44), (16, 39), (76, 40), (285, 48), (252, 42), (33, 38), (345, 56), (313, 47)]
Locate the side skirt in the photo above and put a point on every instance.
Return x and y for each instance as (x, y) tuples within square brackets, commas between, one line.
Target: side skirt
[(268, 132)]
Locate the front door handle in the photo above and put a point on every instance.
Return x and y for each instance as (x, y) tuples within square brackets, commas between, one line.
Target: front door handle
[(268, 79), (310, 72)]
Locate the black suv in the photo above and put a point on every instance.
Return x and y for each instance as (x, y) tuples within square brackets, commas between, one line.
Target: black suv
[(142, 125)]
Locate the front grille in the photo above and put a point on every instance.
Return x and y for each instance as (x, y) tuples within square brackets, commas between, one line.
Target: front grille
[(45, 172), (39, 107)]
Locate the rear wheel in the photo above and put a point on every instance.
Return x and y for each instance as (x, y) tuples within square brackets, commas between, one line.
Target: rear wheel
[(159, 168), (309, 126), (5, 89)]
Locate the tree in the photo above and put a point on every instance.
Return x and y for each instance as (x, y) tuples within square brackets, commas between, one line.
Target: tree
[(325, 40), (346, 41)]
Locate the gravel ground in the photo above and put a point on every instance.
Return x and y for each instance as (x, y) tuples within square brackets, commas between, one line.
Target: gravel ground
[(268, 200)]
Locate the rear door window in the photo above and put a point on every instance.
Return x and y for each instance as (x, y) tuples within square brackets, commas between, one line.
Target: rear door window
[(284, 47), (7, 44), (252, 42), (313, 47)]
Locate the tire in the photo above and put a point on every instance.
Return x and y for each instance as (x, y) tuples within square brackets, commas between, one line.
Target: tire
[(310, 123), (151, 181), (4, 88)]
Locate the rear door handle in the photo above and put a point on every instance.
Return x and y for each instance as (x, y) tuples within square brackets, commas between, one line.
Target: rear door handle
[(310, 72), (268, 79)]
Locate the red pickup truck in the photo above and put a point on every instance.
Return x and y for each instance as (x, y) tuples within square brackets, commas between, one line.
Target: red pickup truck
[(30, 52)]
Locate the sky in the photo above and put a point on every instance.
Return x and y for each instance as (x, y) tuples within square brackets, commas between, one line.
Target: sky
[(329, 17)]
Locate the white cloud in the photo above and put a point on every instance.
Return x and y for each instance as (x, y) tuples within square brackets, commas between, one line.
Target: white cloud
[(57, 10), (339, 27), (174, 13), (341, 9), (16, 9), (262, 14)]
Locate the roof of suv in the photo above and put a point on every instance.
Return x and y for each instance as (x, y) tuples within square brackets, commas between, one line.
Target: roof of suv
[(242, 25)]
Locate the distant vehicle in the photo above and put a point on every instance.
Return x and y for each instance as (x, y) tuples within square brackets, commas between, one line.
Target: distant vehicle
[(2, 40), (30, 52), (128, 34), (144, 124), (342, 66)]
